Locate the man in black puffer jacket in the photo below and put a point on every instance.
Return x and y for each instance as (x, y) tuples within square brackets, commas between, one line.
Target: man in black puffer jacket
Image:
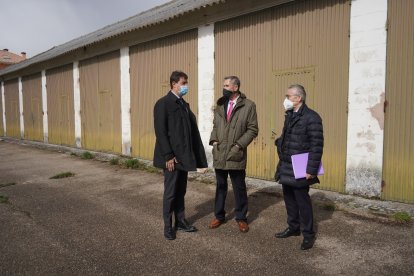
[(302, 133)]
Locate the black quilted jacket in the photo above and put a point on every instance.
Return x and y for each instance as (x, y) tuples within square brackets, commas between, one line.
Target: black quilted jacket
[(302, 132)]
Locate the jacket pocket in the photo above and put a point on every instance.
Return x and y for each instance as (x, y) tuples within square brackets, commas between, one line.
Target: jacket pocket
[(235, 154), (215, 152)]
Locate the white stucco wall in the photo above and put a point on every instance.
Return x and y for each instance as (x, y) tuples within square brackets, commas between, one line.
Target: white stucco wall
[(3, 114), (77, 105), (367, 74), (206, 85), (44, 107), (21, 108), (125, 102)]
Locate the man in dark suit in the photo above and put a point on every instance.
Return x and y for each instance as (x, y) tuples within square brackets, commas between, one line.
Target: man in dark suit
[(178, 150), (234, 128), (302, 133)]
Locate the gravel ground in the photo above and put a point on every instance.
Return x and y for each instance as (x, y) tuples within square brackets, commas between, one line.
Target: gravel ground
[(106, 220)]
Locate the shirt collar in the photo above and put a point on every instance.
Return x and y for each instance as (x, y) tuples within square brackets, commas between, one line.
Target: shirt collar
[(235, 100)]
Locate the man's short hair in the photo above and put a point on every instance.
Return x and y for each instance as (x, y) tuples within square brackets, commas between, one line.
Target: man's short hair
[(176, 76), (234, 80), (300, 91)]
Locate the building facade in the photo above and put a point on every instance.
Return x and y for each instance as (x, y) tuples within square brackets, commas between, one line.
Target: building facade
[(355, 59)]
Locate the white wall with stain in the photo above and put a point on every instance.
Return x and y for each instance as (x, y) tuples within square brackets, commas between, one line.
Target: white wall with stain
[(206, 85), (367, 74)]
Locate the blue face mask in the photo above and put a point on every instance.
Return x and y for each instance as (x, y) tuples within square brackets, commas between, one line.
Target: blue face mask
[(183, 90)]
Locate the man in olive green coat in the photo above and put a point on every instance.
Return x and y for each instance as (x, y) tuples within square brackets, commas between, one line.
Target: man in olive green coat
[(235, 127)]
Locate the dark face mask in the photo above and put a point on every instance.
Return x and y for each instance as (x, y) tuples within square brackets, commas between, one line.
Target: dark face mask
[(227, 93)]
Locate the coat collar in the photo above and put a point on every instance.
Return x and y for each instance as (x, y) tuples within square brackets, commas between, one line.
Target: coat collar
[(304, 108), (171, 97), (222, 101)]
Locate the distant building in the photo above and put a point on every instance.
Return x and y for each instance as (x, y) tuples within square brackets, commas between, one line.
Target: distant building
[(8, 58)]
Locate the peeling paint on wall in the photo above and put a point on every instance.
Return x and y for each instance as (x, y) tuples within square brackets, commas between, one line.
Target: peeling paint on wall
[(377, 111), (369, 146), (369, 135)]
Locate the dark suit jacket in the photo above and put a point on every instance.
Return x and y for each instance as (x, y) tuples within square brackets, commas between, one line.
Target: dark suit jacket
[(177, 135)]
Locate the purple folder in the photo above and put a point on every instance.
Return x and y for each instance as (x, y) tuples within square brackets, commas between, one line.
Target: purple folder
[(299, 163)]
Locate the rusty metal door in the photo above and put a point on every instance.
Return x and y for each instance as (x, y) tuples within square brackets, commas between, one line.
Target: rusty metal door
[(398, 165), (151, 67), (282, 80), (302, 34), (37, 118), (101, 103), (61, 115), (11, 99), (32, 107)]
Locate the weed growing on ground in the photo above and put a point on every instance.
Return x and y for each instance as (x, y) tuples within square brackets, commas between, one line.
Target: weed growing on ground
[(7, 184), (133, 164), (63, 175), (4, 199), (403, 217), (114, 161), (329, 206), (87, 155)]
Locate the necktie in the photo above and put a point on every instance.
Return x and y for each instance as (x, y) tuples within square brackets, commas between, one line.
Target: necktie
[(229, 111)]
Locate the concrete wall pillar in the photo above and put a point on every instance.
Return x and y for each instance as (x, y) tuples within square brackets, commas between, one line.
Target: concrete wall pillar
[(77, 104), (3, 114), (206, 85), (125, 102), (44, 107), (21, 108), (367, 74)]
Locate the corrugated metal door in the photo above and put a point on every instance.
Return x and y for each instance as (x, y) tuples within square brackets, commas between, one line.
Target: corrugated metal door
[(398, 173), (151, 67), (304, 42), (11, 99), (32, 107), (61, 117), (101, 103)]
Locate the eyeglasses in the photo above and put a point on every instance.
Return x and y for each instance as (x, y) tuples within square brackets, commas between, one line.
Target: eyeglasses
[(289, 96)]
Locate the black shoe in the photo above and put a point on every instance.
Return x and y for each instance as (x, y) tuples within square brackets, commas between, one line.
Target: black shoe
[(307, 243), (183, 225), (169, 233), (287, 233)]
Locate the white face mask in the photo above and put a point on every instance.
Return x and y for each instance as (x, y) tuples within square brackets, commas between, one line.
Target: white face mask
[(288, 104)]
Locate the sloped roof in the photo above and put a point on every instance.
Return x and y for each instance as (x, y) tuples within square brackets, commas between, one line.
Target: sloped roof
[(150, 17)]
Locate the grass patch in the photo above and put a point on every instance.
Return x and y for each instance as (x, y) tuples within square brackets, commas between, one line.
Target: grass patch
[(7, 184), (73, 154), (329, 206), (87, 155), (402, 217), (114, 161), (138, 165), (133, 164), (4, 199), (63, 175), (151, 169)]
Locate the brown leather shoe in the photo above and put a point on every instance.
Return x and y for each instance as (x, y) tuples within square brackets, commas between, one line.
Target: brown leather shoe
[(215, 223), (243, 226)]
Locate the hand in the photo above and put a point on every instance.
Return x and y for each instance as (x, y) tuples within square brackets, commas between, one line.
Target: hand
[(170, 164), (215, 143), (202, 170), (309, 176)]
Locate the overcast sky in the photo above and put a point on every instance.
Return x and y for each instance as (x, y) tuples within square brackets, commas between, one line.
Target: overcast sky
[(34, 26)]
